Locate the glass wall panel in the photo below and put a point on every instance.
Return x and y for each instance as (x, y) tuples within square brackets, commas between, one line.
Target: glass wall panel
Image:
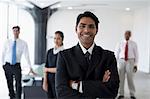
[(3, 26), (11, 15), (27, 31)]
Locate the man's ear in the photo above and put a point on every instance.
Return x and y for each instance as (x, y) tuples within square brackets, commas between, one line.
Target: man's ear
[(96, 31), (76, 28)]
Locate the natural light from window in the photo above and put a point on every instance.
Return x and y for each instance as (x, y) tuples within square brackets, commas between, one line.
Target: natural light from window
[(11, 15)]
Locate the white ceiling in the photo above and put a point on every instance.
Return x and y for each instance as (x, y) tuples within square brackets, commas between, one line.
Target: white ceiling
[(86, 4)]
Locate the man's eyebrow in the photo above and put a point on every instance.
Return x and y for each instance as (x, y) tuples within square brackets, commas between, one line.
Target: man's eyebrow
[(82, 23)]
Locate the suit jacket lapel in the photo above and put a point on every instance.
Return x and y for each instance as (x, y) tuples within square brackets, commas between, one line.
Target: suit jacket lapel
[(80, 57), (95, 59)]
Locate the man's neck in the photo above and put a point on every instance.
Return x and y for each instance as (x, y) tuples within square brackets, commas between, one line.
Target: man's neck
[(90, 49), (87, 46)]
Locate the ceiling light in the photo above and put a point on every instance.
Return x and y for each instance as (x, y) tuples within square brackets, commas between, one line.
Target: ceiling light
[(127, 9), (69, 8)]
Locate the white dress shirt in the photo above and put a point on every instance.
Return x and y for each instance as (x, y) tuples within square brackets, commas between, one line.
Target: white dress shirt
[(21, 48), (132, 51), (85, 50)]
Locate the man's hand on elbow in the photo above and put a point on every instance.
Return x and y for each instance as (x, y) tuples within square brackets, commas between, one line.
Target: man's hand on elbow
[(74, 84), (77, 85), (106, 76)]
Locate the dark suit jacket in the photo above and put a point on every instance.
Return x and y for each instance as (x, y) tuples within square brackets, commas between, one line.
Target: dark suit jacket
[(71, 65)]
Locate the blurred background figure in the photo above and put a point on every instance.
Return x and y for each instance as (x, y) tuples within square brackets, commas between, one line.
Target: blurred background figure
[(11, 57), (50, 67), (127, 56)]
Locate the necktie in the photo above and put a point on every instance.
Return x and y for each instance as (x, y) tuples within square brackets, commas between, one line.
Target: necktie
[(126, 51), (87, 57), (14, 53)]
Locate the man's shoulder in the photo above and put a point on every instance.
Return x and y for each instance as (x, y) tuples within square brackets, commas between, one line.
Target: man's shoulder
[(104, 51), (68, 50), (133, 41), (8, 40), (22, 41), (108, 52)]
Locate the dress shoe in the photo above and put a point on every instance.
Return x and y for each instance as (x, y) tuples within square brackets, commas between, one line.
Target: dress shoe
[(120, 97), (133, 97)]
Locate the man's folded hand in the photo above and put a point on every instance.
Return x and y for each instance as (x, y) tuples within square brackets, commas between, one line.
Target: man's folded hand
[(106, 76)]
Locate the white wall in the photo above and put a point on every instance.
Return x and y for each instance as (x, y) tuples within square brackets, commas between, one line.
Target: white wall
[(149, 36), (111, 28), (141, 36), (26, 23), (65, 22), (113, 24)]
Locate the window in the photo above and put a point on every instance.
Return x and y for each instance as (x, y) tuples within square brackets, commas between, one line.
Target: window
[(11, 15)]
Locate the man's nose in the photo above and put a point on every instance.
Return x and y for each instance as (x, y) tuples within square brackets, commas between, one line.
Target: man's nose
[(86, 29)]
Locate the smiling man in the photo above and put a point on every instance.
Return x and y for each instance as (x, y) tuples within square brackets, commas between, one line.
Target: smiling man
[(86, 70)]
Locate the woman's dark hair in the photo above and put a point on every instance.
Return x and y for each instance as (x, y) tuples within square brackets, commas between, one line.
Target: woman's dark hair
[(87, 14), (61, 34)]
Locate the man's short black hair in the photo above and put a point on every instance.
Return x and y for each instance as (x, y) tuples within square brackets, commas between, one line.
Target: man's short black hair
[(87, 14), (16, 27)]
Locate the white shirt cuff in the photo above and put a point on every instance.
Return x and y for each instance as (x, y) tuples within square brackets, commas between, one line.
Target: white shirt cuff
[(74, 85), (80, 88), (77, 86)]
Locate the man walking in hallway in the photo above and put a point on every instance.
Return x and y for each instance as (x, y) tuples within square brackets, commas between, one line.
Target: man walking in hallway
[(127, 56), (11, 57)]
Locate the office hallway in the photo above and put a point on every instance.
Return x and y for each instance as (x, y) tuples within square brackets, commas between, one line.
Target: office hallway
[(142, 83)]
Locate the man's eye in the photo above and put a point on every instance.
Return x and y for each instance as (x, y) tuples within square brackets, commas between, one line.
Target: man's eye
[(91, 26), (81, 26)]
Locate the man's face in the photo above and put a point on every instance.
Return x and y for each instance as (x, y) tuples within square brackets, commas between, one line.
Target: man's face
[(127, 35), (16, 32), (86, 31)]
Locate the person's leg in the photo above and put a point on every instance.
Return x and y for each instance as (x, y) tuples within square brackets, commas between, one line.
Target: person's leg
[(122, 71), (9, 77), (49, 93), (53, 88), (18, 77), (130, 75)]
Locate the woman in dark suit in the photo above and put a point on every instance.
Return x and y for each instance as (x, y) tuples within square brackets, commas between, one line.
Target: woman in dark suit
[(50, 67)]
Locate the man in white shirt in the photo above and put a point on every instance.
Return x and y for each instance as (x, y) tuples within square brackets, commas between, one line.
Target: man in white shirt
[(11, 57), (127, 56)]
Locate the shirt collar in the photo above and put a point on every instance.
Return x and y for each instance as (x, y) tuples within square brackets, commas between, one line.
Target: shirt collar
[(126, 41), (15, 39), (56, 50), (85, 50)]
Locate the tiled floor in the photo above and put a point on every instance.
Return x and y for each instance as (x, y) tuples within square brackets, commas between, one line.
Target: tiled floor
[(142, 83), (3, 85)]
